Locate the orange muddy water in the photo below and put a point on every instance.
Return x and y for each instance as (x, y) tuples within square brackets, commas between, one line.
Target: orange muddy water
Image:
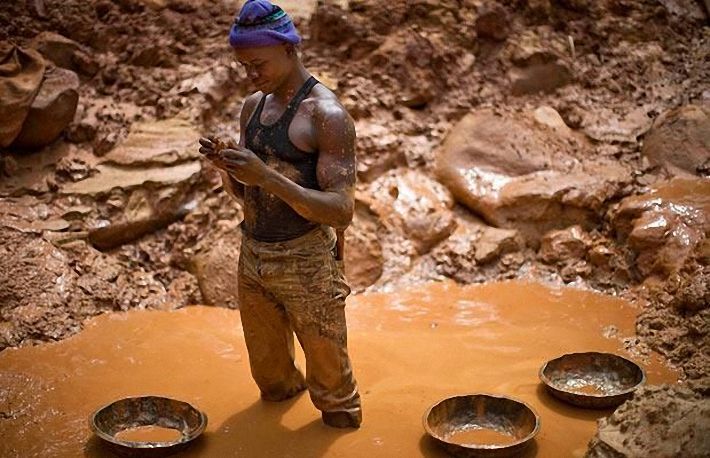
[(148, 434), (409, 349), (481, 436)]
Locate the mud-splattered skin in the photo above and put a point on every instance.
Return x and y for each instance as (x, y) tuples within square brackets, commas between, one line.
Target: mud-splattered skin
[(299, 155), (321, 125)]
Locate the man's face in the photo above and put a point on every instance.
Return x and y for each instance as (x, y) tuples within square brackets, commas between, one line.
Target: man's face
[(266, 66)]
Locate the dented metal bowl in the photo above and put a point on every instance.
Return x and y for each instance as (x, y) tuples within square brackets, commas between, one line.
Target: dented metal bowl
[(454, 423), (147, 411), (592, 380)]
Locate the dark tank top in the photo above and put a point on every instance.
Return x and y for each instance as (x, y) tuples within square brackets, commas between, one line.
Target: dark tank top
[(266, 217)]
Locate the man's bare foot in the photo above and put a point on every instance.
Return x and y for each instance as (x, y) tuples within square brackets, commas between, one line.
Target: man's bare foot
[(342, 419)]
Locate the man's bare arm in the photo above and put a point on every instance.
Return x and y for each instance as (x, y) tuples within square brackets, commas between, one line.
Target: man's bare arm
[(230, 184), (336, 172)]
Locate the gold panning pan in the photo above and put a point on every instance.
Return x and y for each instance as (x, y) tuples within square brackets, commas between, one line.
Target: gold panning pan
[(482, 425), (592, 380), (148, 425)]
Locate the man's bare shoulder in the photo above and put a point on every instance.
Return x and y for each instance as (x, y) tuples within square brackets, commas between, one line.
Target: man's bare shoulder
[(250, 103), (327, 108)]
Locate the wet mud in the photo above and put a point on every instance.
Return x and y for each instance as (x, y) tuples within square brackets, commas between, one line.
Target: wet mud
[(409, 349)]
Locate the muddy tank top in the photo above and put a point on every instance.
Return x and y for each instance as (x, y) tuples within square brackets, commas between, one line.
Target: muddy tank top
[(266, 217)]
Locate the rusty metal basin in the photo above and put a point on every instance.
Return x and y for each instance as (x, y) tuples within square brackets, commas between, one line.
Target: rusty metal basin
[(592, 380), (124, 415), (482, 425)]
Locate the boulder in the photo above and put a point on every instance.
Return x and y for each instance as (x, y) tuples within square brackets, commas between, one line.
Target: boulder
[(679, 140), (414, 205), (521, 173), (216, 270), (52, 109)]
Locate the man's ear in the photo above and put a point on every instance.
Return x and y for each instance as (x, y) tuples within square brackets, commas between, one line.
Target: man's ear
[(291, 50)]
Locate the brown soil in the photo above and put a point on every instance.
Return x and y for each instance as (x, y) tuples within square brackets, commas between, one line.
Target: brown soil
[(659, 421), (106, 218)]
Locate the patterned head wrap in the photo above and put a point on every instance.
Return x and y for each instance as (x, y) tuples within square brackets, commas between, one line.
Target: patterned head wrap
[(261, 23)]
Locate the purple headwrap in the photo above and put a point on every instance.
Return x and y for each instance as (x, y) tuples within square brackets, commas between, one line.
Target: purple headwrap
[(261, 23)]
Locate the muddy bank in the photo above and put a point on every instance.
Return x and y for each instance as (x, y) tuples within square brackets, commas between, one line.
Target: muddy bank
[(401, 343), (659, 421)]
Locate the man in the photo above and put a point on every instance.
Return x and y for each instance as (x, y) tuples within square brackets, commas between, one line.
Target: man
[(294, 170)]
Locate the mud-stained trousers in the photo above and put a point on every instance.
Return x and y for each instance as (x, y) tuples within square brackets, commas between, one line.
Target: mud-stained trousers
[(297, 286)]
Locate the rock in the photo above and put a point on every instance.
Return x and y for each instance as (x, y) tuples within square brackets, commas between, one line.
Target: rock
[(165, 142), (379, 150), (539, 78), (363, 250), (110, 177), (565, 245), (668, 420), (608, 126), (679, 140), (215, 84), (664, 226), (539, 62), (34, 172), (414, 205), (548, 116), (501, 169), (51, 111), (216, 270), (21, 75), (152, 56), (493, 22), (146, 211), (494, 243), (56, 48), (687, 9), (65, 53)]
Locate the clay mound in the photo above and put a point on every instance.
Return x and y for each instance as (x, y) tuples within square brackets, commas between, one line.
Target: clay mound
[(658, 421), (526, 174)]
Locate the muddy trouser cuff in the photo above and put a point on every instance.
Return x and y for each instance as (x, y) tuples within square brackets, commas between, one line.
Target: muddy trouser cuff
[(297, 287)]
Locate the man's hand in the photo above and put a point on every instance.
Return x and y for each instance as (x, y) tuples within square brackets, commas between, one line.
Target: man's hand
[(208, 147), (243, 165)]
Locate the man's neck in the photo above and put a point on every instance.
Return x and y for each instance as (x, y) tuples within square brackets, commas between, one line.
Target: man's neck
[(293, 82)]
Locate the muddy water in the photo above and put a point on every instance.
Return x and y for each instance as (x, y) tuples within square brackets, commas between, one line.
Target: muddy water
[(480, 436), (409, 349), (148, 434)]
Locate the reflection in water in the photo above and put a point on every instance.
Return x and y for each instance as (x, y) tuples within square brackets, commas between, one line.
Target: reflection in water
[(489, 338)]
